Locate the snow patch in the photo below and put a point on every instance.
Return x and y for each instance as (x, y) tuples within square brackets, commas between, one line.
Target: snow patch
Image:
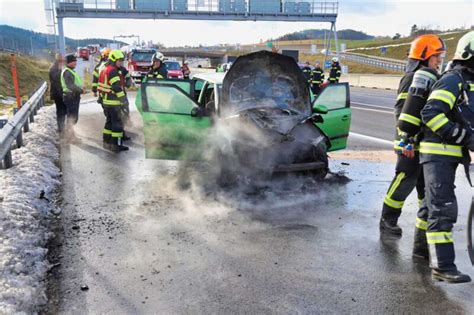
[(24, 228)]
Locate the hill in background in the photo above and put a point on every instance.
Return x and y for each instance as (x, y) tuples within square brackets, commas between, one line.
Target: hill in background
[(321, 34), (30, 42)]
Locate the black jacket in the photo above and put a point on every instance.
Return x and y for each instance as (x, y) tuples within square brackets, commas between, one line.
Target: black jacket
[(55, 89), (448, 118), (335, 73), (160, 73)]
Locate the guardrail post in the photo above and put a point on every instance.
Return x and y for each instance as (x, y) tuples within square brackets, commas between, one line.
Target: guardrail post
[(32, 116), (26, 126), (3, 122), (19, 139), (7, 161)]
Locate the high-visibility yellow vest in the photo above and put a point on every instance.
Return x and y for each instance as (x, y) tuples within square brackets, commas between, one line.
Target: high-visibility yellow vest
[(77, 80)]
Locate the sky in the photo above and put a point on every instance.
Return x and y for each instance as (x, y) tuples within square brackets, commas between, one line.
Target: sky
[(383, 17)]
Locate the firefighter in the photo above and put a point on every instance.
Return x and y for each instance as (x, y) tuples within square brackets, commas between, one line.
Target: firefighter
[(425, 56), (158, 68), (104, 55), (110, 87), (185, 69), (72, 86), (447, 139), (335, 72), (317, 78), (307, 73)]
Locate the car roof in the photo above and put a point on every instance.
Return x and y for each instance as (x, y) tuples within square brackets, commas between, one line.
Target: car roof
[(213, 77)]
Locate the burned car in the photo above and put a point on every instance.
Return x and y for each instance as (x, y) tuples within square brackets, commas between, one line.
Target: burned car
[(257, 118)]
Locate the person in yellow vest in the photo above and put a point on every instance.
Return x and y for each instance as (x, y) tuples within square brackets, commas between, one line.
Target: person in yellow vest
[(72, 86)]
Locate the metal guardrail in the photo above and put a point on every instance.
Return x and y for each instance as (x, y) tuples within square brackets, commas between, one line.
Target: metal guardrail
[(375, 62), (12, 131)]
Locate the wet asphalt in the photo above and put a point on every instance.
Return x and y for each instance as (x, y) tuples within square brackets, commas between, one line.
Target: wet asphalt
[(158, 237)]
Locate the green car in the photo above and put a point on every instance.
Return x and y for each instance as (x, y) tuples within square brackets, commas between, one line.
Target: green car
[(259, 117)]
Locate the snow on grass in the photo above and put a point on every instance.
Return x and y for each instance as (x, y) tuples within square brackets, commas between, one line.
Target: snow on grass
[(24, 216)]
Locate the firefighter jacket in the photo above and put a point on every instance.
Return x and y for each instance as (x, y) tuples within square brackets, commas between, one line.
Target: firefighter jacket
[(317, 76), (307, 73), (158, 73), (110, 87), (335, 73), (71, 82), (95, 75), (409, 122), (448, 116)]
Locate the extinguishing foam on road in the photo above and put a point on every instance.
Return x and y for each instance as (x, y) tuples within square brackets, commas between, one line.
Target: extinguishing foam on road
[(24, 216)]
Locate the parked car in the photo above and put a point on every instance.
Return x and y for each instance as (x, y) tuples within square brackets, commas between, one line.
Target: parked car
[(258, 116), (83, 52), (174, 69)]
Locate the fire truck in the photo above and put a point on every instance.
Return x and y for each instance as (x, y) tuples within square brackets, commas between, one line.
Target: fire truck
[(139, 62)]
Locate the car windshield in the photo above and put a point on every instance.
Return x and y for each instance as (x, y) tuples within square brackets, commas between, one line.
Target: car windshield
[(172, 65), (259, 91), (142, 56)]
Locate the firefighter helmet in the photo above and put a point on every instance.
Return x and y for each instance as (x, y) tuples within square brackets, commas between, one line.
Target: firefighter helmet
[(335, 59), (425, 46), (116, 55), (158, 57), (105, 52), (465, 48)]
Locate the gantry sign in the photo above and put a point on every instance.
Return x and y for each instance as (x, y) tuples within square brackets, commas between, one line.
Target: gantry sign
[(212, 10)]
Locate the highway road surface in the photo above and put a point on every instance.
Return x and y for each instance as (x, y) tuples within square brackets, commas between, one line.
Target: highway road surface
[(140, 236)]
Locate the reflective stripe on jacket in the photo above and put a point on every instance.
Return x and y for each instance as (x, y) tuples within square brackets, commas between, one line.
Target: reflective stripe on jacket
[(110, 87)]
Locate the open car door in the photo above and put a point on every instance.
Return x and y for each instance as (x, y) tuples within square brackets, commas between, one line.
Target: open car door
[(171, 131), (337, 121)]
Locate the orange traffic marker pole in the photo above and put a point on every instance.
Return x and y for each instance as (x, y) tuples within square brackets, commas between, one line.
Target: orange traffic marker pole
[(15, 81)]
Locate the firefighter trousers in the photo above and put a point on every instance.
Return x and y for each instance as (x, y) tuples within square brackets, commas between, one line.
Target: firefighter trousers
[(113, 129), (442, 213), (408, 175)]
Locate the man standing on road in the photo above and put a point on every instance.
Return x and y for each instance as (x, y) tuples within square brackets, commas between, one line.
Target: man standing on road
[(158, 68), (447, 140), (56, 92), (317, 78), (186, 71), (307, 72), (72, 86), (425, 56), (335, 72), (113, 98)]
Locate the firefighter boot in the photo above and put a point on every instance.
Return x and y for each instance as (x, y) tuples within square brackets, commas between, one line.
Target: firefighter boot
[(450, 276), (420, 245), (390, 227)]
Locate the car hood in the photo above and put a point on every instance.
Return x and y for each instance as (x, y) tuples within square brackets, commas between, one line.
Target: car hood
[(265, 79)]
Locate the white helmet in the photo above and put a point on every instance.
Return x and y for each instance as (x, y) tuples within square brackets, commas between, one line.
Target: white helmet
[(158, 56), (465, 48), (335, 59), (185, 62)]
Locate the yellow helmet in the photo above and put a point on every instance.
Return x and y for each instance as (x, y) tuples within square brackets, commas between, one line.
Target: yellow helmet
[(116, 55), (105, 52)]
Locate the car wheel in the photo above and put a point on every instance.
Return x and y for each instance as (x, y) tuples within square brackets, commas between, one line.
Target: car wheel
[(321, 156)]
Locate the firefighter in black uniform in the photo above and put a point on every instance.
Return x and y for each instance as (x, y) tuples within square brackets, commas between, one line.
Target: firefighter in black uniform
[(335, 72), (317, 78), (307, 73), (158, 68), (446, 142), (126, 82), (426, 54), (112, 94)]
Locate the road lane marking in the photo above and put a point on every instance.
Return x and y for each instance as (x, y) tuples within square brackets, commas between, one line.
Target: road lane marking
[(371, 105), (374, 139), (373, 110)]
